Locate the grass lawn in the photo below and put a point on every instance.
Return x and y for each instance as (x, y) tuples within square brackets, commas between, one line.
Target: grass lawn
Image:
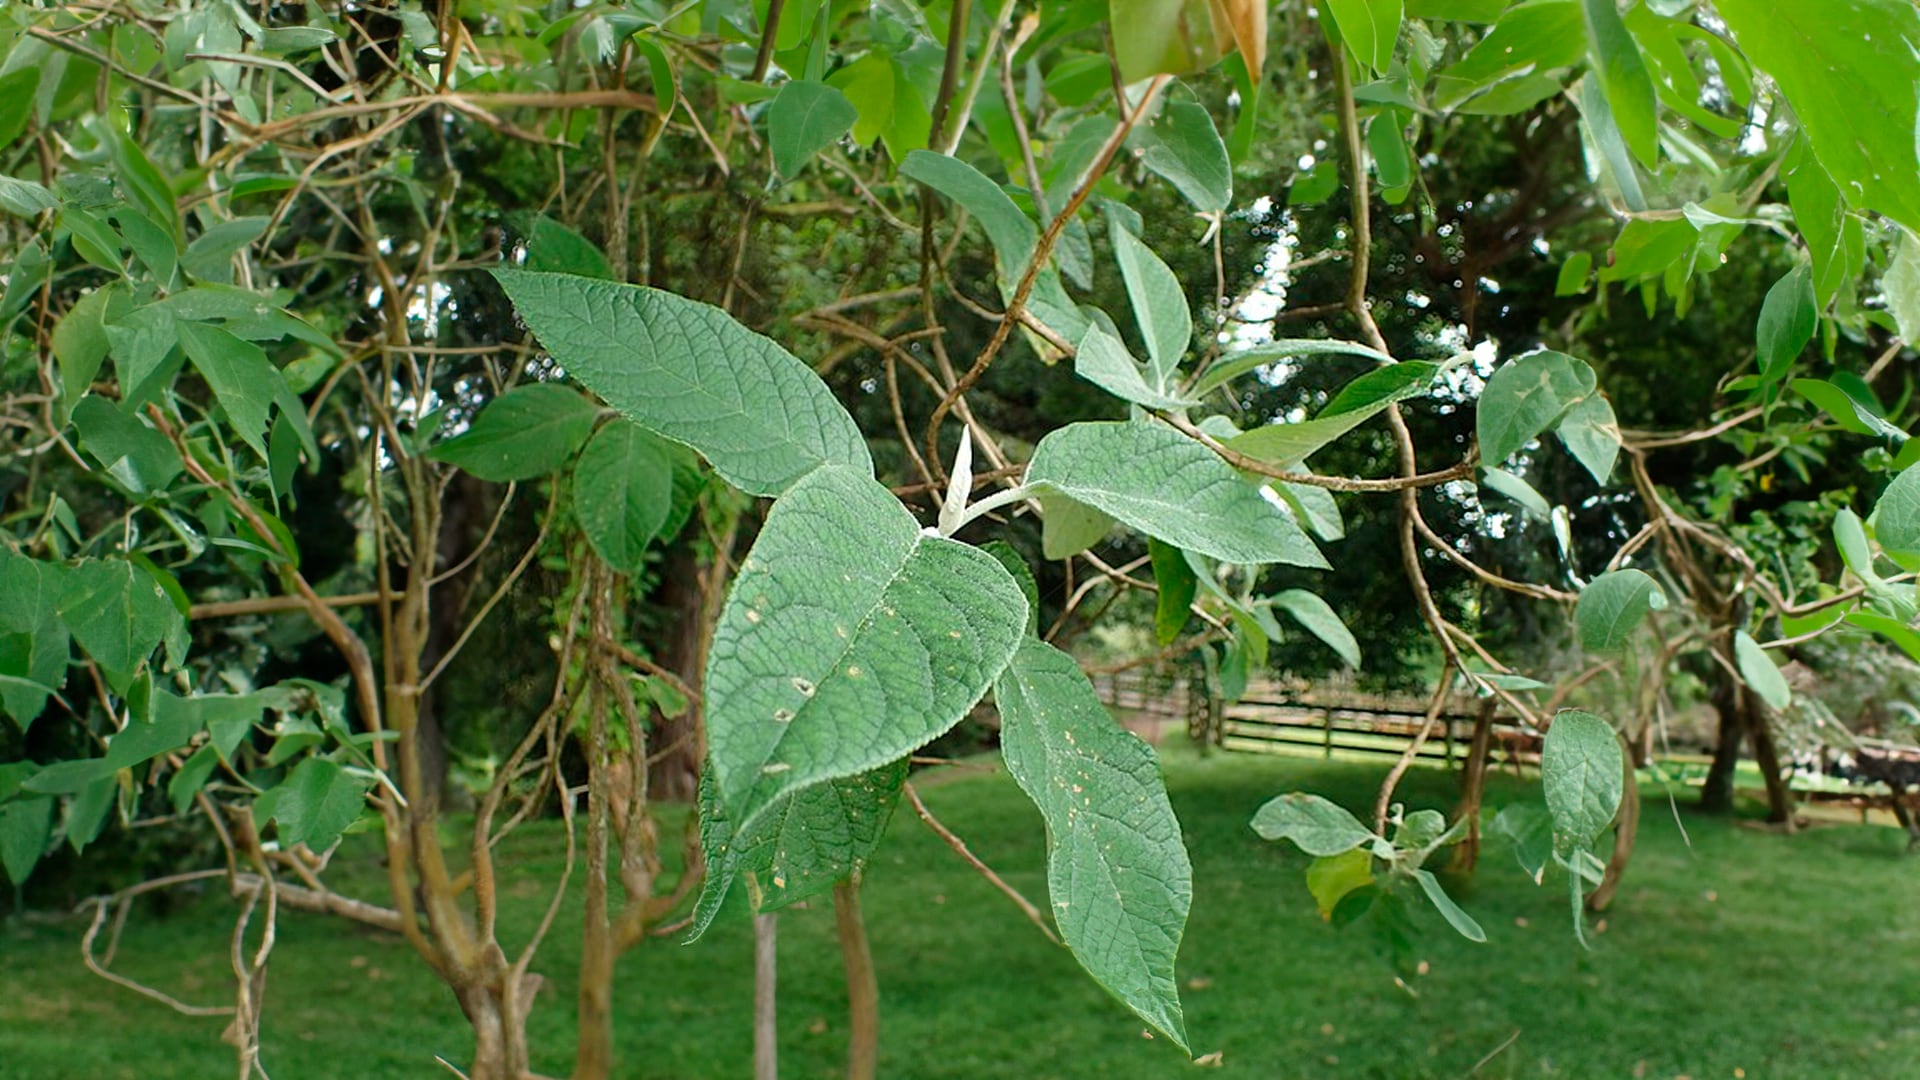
[(1746, 954)]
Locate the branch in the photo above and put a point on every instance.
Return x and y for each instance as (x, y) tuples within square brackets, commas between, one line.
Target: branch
[(960, 848)]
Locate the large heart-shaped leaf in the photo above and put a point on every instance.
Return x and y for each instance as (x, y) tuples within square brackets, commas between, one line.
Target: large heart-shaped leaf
[(689, 372), (850, 639), (1116, 867)]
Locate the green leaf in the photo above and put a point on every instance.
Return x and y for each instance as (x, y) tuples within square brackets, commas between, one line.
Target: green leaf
[(1623, 71), (1605, 137), (1895, 631), (1647, 247), (1902, 286), (210, 256), (29, 592), (1848, 411), (143, 180), (1234, 365), (1850, 71), (1321, 621), (1177, 585), (1022, 574), (555, 248), (1788, 319), (1012, 234), (1170, 37), (1370, 28), (1159, 303), (868, 85), (1574, 274), (622, 489), (1103, 360), (131, 449), (1480, 11), (1069, 527), (526, 432), (1167, 486), (1530, 830), (287, 40), (1117, 870), (1392, 161), (116, 611), (187, 781), (1331, 877), (1183, 147), (240, 375), (1315, 508), (1524, 398), (33, 664), (25, 198), (849, 640), (804, 119), (80, 343), (1582, 770), (1359, 401), (1757, 670), (801, 847), (1848, 535), (1612, 607), (25, 827), (1531, 37), (88, 810), (1592, 435), (1833, 236), (688, 372), (1319, 827), (1518, 490), (1455, 915), (314, 804), (17, 90)]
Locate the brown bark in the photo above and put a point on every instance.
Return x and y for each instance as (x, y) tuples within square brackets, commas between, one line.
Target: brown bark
[(766, 1017), (593, 1053), (675, 771), (1767, 755), (1473, 789), (1731, 704), (863, 991)]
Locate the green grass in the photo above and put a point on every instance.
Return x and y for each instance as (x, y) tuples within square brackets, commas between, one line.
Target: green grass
[(1781, 956)]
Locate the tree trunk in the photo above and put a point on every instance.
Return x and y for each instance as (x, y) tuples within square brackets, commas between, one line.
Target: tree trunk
[(674, 774), (497, 1009), (863, 991), (1626, 830), (1767, 755), (1730, 702), (593, 1056), (766, 1019), (1473, 790)]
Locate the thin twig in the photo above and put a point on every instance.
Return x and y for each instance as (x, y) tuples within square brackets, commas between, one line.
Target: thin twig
[(960, 848)]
